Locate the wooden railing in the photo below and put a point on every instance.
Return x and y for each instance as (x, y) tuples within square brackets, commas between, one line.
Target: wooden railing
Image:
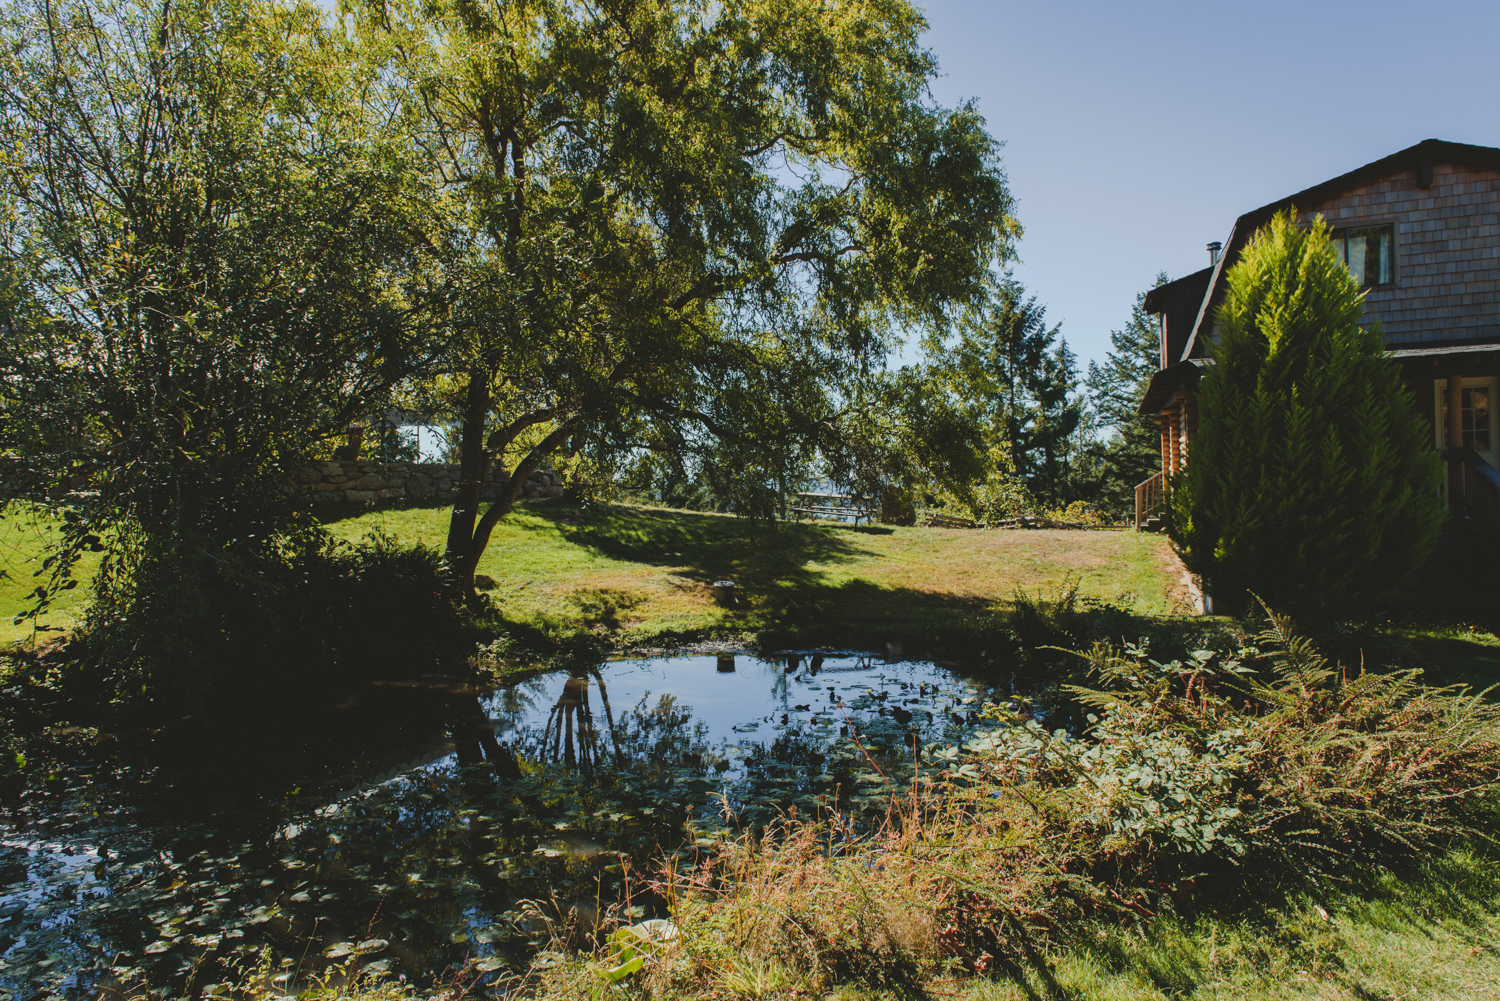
[(1150, 498), (1478, 484)]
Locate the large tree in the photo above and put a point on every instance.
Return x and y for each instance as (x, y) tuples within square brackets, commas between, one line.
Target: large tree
[(902, 435), (217, 250), (1311, 483), (685, 215), (1019, 377)]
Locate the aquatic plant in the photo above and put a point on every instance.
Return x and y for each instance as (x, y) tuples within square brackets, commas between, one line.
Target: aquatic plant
[(1252, 755)]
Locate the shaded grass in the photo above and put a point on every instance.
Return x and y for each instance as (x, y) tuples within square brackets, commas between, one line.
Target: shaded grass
[(1429, 935), (1446, 654), (644, 575), (27, 531)]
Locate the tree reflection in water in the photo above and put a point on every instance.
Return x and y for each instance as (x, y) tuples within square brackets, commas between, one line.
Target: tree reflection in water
[(571, 736), (385, 838)]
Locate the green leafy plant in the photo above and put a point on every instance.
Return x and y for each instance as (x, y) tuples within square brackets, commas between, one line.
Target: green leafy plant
[(630, 947)]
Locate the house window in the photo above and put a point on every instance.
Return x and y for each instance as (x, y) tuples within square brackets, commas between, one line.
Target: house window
[(1478, 419), (1368, 253)]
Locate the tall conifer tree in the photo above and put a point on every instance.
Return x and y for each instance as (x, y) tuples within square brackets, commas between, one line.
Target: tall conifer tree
[(1311, 481), (1132, 451), (1020, 378)]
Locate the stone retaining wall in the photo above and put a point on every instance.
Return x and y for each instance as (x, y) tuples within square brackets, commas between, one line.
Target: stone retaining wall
[(397, 483)]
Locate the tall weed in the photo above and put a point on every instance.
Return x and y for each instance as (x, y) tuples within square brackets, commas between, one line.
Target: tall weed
[(1248, 767)]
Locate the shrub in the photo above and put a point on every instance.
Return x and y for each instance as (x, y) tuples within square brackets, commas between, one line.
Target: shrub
[(1263, 754), (1248, 767), (1311, 481), (297, 611)]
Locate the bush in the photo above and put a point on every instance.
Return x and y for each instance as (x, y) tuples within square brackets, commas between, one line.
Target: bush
[(296, 612), (1246, 769), (1311, 482)]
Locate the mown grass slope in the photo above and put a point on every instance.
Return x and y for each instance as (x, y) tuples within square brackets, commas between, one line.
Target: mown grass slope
[(641, 573)]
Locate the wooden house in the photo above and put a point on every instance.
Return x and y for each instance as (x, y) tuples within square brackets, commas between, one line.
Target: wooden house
[(1420, 229)]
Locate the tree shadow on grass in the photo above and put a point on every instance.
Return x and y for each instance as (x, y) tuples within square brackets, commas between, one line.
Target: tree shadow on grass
[(1275, 927), (863, 614), (701, 548), (1446, 654)]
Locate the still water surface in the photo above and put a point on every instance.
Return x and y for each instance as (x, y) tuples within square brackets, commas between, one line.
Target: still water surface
[(409, 833)]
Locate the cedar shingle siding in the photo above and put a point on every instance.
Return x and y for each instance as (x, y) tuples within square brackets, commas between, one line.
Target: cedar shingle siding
[(1447, 252)]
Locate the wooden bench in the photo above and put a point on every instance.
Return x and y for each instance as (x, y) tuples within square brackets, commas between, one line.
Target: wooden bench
[(815, 504)]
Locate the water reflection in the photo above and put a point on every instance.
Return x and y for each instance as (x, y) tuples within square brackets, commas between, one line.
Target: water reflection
[(421, 821)]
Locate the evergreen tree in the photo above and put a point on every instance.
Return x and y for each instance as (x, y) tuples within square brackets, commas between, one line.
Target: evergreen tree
[(1311, 482), (1056, 419), (1020, 377), (1132, 450)]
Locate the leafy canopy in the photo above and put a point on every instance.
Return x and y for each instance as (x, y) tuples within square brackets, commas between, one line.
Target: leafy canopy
[(686, 222), (218, 252), (1017, 379)]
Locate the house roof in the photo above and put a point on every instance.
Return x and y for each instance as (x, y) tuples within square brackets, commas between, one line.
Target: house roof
[(1182, 375), (1158, 298), (1178, 303), (1419, 158)]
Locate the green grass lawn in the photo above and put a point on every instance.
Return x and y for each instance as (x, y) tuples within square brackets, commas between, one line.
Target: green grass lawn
[(642, 573), (26, 533)]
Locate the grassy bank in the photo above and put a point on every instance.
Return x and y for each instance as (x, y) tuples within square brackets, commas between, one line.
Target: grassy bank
[(1426, 936), (643, 575)]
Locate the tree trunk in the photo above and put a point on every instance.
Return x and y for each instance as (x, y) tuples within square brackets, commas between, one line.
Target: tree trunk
[(469, 534), (473, 466)]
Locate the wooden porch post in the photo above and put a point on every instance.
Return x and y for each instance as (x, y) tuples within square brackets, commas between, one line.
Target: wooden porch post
[(1166, 442), (1455, 440), (1173, 423)]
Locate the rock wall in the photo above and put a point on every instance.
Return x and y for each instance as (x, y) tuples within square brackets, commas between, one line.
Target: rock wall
[(395, 483)]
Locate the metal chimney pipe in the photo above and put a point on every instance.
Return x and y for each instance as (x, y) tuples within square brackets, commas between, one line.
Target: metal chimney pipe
[(1213, 252)]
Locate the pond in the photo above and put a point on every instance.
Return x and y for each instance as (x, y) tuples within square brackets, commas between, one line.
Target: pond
[(409, 831)]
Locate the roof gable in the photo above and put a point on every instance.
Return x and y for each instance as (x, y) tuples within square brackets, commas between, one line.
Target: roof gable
[(1419, 159)]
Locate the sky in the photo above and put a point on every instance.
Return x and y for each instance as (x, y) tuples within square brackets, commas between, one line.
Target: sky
[(1136, 131)]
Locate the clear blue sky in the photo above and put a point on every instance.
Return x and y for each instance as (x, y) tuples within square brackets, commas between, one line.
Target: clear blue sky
[(1137, 130)]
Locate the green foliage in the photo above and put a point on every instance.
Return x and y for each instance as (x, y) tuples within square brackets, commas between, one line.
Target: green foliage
[(300, 611), (641, 272), (1138, 787), (215, 234), (902, 434), (1131, 452), (1018, 380), (1311, 481), (1292, 765), (630, 948)]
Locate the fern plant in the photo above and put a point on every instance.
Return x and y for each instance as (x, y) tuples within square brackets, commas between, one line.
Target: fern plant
[(1263, 751)]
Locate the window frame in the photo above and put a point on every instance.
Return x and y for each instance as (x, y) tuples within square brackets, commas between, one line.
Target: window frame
[(1439, 402), (1394, 225)]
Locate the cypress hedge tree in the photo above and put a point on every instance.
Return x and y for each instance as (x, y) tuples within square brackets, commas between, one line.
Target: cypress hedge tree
[(1311, 481)]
